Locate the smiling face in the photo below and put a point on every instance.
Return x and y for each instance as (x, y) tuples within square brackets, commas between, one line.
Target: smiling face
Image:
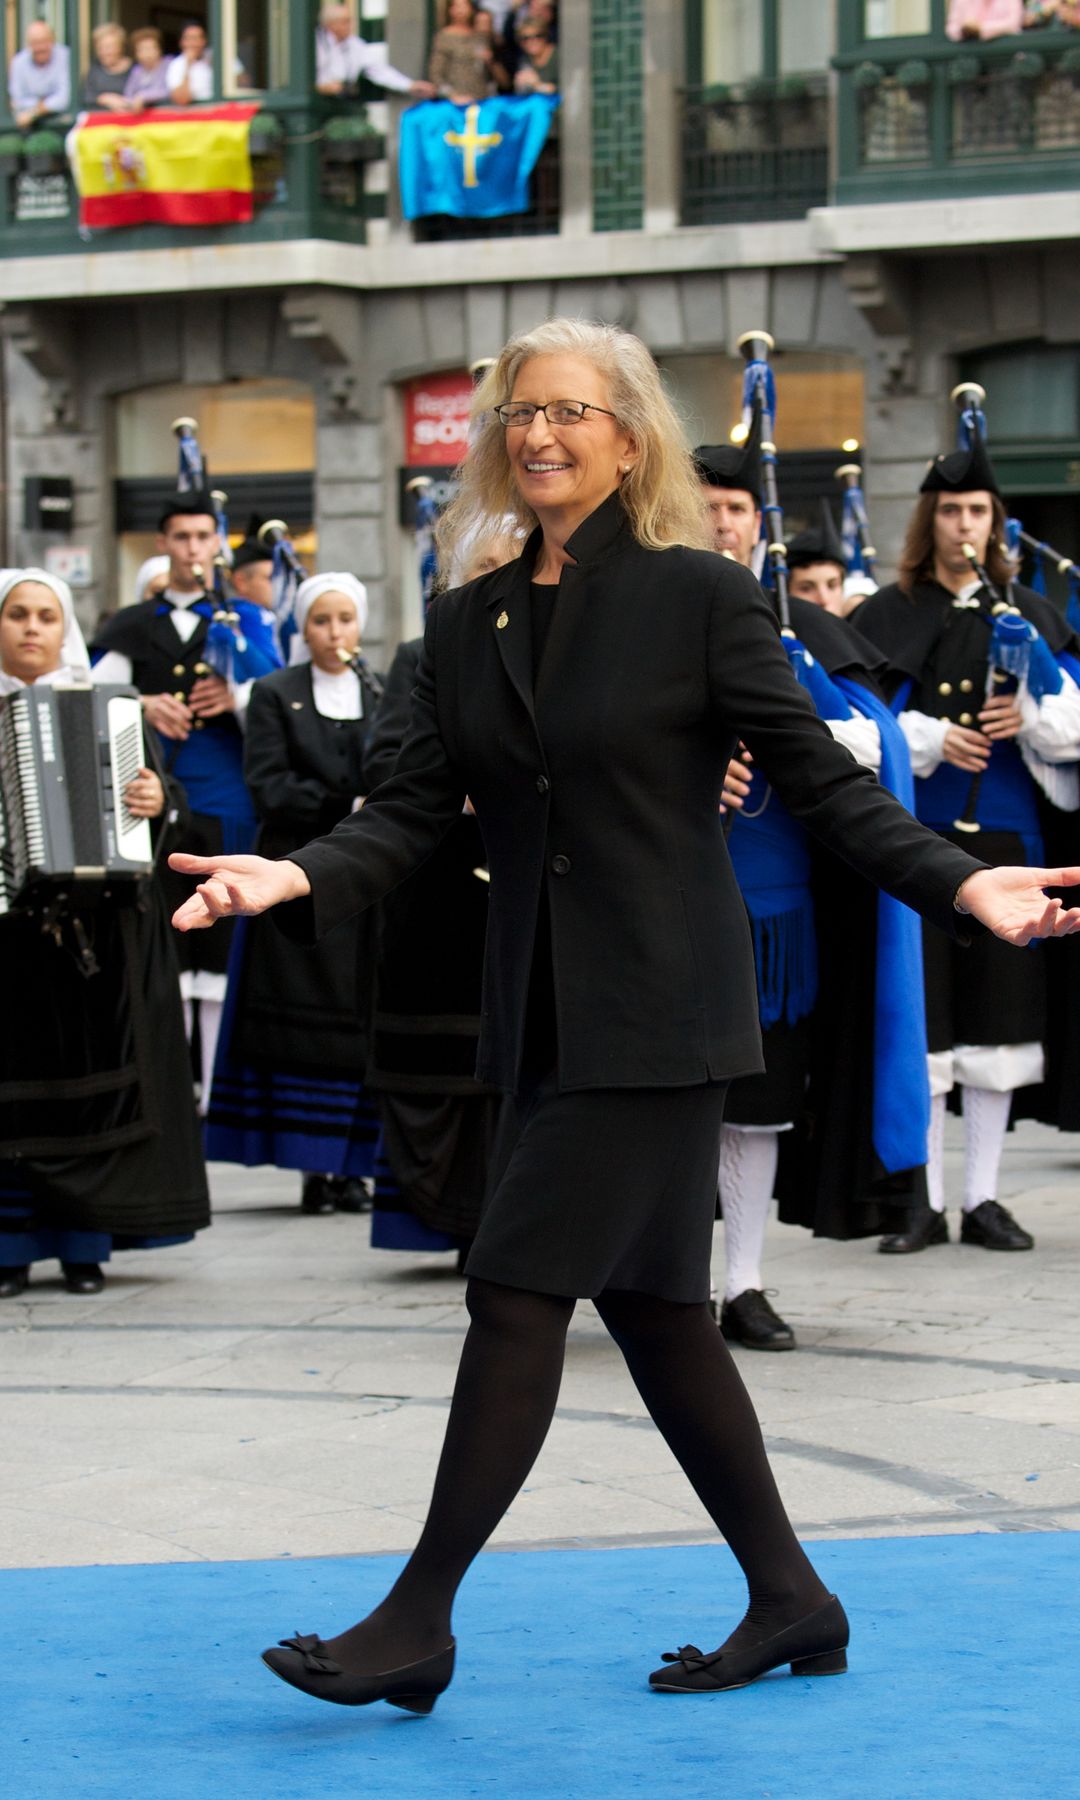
[(40, 42), (330, 627), (193, 42), (564, 472), (962, 519), (31, 631)]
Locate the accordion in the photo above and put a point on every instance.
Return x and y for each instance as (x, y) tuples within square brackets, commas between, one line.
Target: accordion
[(66, 756)]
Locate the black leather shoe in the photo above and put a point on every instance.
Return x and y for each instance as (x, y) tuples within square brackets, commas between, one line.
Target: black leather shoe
[(750, 1320), (305, 1663), (14, 1281), (317, 1195), (350, 1195), (926, 1227), (994, 1228), (83, 1278), (816, 1645)]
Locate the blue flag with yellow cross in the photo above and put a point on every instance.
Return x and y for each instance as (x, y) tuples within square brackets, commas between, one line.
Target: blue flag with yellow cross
[(473, 161)]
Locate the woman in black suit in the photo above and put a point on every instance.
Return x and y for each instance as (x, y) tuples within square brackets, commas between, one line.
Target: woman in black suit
[(287, 1078), (587, 698)]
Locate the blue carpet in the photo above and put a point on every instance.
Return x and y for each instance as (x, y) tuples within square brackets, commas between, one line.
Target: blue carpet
[(146, 1681)]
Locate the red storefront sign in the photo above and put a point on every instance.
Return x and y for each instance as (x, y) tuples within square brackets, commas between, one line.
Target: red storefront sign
[(437, 419)]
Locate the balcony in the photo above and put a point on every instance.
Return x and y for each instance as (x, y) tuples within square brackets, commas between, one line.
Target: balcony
[(308, 161), (953, 120), (756, 151)]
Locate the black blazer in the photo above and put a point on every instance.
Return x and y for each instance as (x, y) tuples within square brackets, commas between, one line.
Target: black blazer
[(603, 786), (304, 771)]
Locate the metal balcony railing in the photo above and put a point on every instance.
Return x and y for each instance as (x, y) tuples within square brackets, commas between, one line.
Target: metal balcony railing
[(959, 119), (756, 151)]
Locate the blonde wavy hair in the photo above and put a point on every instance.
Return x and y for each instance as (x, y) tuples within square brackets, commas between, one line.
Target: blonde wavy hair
[(661, 493)]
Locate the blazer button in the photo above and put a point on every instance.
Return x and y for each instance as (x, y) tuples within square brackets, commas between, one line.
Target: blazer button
[(543, 785), (560, 865)]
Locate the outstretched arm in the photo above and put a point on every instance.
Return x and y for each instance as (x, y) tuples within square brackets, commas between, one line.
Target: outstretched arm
[(362, 858)]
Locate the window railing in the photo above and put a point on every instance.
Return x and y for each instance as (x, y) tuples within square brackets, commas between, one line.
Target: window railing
[(958, 119), (759, 150)]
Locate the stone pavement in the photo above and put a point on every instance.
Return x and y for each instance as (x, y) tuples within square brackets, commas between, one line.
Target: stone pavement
[(279, 1389)]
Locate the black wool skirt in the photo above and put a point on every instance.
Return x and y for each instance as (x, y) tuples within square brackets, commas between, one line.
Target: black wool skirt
[(603, 1188)]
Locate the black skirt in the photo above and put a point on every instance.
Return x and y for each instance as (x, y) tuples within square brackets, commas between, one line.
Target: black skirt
[(603, 1188), (778, 1095)]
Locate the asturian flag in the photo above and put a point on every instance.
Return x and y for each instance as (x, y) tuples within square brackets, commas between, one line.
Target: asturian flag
[(474, 161)]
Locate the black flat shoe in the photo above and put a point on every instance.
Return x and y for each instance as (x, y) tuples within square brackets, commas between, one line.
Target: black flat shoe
[(750, 1320), (925, 1228), (305, 1663), (83, 1278), (994, 1228), (351, 1196), (14, 1281), (317, 1196), (816, 1645)]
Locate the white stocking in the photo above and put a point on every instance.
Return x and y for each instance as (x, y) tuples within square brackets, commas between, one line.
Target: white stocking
[(747, 1178), (189, 1018), (209, 1026), (935, 1158), (986, 1120)]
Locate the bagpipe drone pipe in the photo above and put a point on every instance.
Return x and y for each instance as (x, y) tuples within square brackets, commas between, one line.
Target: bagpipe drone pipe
[(240, 643)]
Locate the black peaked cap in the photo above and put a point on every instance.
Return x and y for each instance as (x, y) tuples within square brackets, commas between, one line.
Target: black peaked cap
[(196, 500), (818, 543), (961, 471), (733, 465)]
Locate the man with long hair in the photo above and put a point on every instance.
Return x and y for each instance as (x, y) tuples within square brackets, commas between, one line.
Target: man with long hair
[(995, 768)]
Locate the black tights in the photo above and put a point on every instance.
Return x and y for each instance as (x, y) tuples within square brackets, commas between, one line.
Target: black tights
[(504, 1399)]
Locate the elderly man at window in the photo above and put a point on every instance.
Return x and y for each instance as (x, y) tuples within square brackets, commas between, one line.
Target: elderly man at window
[(341, 57), (39, 80)]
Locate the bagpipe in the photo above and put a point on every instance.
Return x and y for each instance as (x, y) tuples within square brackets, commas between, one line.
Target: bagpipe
[(239, 644), (427, 517), (759, 407), (1018, 655), (859, 553)]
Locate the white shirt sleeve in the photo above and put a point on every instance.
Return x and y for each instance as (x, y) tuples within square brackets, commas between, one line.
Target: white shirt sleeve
[(1051, 725), (925, 740), (861, 736), (113, 667), (370, 61), (241, 695)]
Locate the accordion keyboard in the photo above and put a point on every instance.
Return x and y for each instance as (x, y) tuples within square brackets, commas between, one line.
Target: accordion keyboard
[(126, 755)]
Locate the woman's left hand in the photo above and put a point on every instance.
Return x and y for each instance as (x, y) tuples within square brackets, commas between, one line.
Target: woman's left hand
[(1011, 902), (144, 795)]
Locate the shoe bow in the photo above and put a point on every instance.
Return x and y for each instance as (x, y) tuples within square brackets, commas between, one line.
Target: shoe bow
[(314, 1653), (690, 1656)]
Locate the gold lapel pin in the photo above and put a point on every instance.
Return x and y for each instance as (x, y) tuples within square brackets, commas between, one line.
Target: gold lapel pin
[(502, 621)]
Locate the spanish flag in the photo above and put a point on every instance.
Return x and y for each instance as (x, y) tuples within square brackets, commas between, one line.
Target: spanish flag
[(171, 166)]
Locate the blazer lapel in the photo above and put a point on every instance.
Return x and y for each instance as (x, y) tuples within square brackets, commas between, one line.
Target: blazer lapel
[(510, 618)]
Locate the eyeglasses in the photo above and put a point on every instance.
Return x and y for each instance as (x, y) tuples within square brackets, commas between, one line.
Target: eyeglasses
[(520, 413)]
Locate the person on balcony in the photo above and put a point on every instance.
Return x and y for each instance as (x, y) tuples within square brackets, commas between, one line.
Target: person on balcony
[(106, 79), (984, 19), (461, 66), (539, 69), (148, 82), (39, 79), (341, 57), (190, 76)]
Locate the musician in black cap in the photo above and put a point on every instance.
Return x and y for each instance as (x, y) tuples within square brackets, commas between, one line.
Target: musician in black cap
[(817, 566), (776, 874), (252, 568), (995, 762), (161, 647)]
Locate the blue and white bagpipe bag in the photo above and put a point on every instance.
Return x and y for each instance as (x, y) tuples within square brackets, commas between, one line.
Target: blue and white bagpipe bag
[(901, 1103), (241, 640)]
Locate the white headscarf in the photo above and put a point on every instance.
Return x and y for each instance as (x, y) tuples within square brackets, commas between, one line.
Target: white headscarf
[(74, 656), (306, 595), (148, 571)]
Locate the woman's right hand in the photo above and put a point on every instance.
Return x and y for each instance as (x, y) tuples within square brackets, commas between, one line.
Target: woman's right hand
[(233, 886)]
